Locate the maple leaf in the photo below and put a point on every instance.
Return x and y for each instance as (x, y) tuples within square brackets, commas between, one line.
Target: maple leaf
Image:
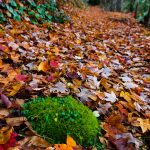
[(83, 94), (126, 96), (54, 64), (103, 108), (94, 83), (110, 97), (105, 72), (130, 139), (125, 78), (130, 85), (128, 82), (15, 89), (20, 77), (144, 124), (59, 87), (43, 66)]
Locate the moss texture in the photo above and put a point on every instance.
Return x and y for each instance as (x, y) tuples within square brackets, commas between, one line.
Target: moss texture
[(55, 118)]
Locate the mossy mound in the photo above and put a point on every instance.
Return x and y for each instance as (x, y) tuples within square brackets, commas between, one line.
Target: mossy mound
[(55, 118)]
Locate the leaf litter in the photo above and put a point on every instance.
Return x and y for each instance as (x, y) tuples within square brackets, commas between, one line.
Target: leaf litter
[(104, 64)]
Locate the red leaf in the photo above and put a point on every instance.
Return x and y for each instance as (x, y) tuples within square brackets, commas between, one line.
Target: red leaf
[(54, 64), (4, 48), (50, 78), (20, 77), (11, 142)]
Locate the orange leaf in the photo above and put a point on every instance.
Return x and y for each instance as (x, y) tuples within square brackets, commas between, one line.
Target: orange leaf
[(71, 142), (62, 147), (43, 66), (5, 133)]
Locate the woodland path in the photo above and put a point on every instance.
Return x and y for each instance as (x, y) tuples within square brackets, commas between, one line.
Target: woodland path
[(101, 58)]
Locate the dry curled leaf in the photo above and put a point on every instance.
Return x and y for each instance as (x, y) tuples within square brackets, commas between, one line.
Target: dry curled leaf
[(6, 100)]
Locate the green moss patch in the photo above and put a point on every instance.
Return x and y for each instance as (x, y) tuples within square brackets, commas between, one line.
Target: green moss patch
[(55, 118)]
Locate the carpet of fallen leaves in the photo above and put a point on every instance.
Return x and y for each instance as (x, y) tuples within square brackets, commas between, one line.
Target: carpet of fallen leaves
[(100, 58)]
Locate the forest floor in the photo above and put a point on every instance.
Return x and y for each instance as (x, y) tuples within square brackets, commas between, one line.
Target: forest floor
[(100, 58)]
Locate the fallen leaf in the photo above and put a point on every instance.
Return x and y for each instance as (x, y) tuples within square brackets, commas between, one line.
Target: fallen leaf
[(21, 77), (54, 64), (144, 124), (110, 97), (130, 85), (38, 142), (127, 97), (5, 133), (16, 121), (70, 141), (4, 112), (5, 100), (13, 45), (43, 66), (15, 89), (59, 87)]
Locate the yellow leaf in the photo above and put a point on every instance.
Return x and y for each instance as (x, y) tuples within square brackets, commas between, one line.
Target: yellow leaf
[(147, 79), (144, 124), (71, 142), (78, 41), (15, 89), (127, 97), (43, 66), (93, 97), (5, 133)]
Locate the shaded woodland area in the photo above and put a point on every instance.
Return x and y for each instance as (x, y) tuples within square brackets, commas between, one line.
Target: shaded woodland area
[(139, 8)]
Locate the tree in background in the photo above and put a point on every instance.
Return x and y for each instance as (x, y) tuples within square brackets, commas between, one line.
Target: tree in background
[(139, 8)]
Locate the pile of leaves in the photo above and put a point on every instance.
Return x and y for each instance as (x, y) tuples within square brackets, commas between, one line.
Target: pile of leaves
[(102, 62), (31, 11), (140, 9)]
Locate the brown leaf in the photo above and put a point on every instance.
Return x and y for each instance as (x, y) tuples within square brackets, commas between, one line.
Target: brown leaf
[(4, 112), (38, 141), (5, 100), (121, 144), (16, 121)]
